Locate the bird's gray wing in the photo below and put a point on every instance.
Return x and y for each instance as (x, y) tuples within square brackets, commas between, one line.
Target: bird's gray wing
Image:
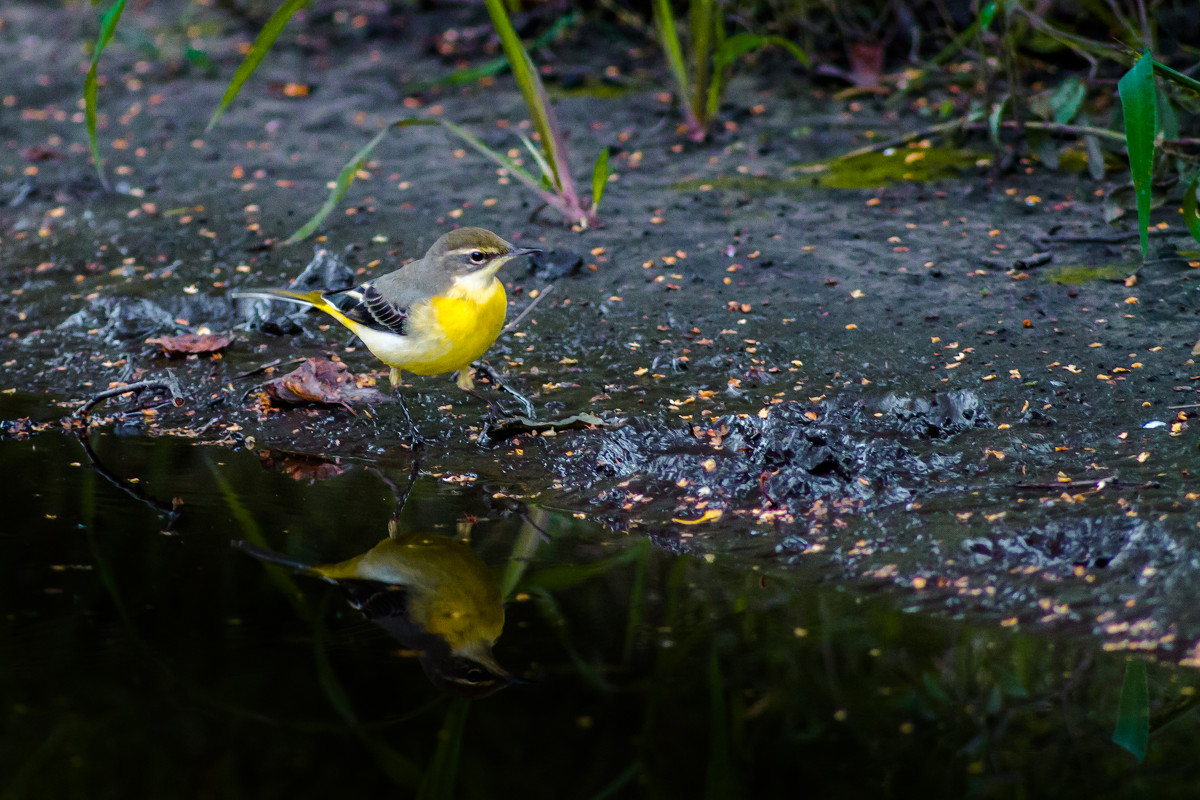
[(384, 302)]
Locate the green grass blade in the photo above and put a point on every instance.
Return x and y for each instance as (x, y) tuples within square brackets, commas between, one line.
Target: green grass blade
[(1190, 216), (532, 90), (700, 23), (1133, 714), (718, 780), (956, 44), (266, 37), (1139, 101), (664, 20), (540, 160), (497, 65), (442, 772), (734, 48), (1187, 82), (550, 198), (91, 83), (599, 177), (739, 44), (346, 178)]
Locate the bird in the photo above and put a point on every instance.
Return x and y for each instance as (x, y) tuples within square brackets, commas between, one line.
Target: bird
[(435, 315), (431, 592)]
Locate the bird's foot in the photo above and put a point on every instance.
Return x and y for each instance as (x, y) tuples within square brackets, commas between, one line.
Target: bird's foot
[(493, 377)]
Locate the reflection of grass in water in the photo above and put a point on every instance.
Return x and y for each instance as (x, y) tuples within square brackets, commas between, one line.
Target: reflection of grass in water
[(866, 171), (442, 772), (401, 770), (279, 576), (1079, 275)]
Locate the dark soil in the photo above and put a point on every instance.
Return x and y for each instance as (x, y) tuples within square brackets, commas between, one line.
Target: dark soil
[(843, 384)]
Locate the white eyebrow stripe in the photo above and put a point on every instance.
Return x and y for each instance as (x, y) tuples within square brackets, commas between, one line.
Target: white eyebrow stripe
[(462, 251)]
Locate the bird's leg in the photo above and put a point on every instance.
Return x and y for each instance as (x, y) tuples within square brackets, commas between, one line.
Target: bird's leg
[(415, 439), (494, 378), (466, 381)]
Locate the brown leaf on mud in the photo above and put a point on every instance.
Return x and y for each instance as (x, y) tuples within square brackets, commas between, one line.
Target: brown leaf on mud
[(320, 380), (38, 152), (866, 64), (192, 343)]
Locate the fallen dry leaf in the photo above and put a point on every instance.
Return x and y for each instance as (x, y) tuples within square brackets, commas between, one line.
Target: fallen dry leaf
[(190, 343), (319, 380)]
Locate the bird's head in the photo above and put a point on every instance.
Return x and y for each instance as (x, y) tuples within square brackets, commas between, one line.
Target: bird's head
[(470, 250)]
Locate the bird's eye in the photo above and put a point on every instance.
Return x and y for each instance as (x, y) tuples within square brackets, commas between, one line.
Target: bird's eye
[(477, 257)]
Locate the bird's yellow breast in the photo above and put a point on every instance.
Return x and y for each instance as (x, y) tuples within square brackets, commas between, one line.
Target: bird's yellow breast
[(467, 319)]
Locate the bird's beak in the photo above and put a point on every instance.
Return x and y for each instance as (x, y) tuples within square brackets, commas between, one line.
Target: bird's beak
[(524, 251)]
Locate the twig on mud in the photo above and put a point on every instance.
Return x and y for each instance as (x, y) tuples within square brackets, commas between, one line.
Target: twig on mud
[(1100, 483), (170, 383), (973, 122), (1189, 405), (203, 429), (1115, 238), (277, 362), (512, 326), (1028, 262), (932, 130)]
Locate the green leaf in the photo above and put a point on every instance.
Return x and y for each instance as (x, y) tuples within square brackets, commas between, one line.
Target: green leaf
[(200, 60), (91, 84), (994, 119), (1140, 105), (1168, 119), (1067, 99), (1095, 157), (266, 37), (599, 177), (1133, 715), (737, 46), (986, 15), (1190, 216)]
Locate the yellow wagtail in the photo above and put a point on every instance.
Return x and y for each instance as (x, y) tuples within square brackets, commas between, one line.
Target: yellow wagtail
[(449, 608), (435, 315)]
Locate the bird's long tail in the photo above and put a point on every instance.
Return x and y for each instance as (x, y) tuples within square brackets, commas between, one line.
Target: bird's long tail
[(314, 299)]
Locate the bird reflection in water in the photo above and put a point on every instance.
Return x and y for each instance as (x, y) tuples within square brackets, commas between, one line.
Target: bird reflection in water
[(434, 594)]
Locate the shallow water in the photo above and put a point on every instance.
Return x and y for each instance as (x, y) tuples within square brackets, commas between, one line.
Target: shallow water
[(142, 655)]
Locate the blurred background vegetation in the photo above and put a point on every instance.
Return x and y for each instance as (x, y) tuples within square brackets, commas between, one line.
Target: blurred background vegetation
[(1067, 84)]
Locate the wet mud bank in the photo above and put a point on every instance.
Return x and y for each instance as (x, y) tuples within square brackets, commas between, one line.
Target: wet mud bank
[(878, 386)]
